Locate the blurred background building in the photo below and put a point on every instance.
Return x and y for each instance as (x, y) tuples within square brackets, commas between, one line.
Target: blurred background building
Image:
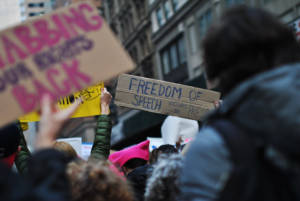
[(33, 8), (172, 51), (10, 13), (61, 3)]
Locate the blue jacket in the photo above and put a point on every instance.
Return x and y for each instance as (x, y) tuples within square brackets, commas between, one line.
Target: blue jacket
[(269, 105)]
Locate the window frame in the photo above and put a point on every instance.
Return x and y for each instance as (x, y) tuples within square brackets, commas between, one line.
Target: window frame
[(168, 51)]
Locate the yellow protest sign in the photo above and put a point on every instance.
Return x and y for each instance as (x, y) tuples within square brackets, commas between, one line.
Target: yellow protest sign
[(24, 126), (90, 105)]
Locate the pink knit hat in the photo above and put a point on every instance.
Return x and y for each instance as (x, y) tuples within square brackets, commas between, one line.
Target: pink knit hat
[(137, 151)]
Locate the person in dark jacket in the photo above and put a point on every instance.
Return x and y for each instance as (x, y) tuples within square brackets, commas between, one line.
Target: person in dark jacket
[(254, 60), (9, 143), (101, 145), (138, 177), (48, 180)]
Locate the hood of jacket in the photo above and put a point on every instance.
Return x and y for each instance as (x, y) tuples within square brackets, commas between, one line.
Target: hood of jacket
[(268, 105)]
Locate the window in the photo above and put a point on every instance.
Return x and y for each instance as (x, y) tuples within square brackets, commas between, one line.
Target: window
[(32, 5), (140, 8), (267, 1), (166, 62), (204, 22), (151, 2), (173, 56), (182, 53), (36, 14), (233, 2), (155, 25), (167, 9), (52, 2), (192, 38), (159, 16), (175, 4)]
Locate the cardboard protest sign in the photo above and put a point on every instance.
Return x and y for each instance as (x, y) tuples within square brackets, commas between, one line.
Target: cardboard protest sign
[(86, 150), (90, 105), (57, 54), (164, 97)]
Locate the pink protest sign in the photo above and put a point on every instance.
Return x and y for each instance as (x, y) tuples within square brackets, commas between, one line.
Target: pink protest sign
[(57, 54)]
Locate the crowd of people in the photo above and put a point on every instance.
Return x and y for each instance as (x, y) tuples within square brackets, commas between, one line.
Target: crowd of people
[(246, 149)]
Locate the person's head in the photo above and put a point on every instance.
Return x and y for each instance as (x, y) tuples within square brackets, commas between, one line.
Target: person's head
[(9, 143), (165, 149), (94, 181), (246, 41), (133, 163), (163, 185), (65, 148), (132, 157)]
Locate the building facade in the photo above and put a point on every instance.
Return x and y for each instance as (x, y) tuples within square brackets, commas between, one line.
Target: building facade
[(61, 3), (129, 19), (33, 8), (178, 27)]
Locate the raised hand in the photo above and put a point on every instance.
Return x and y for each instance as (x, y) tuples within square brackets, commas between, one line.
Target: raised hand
[(105, 101), (52, 120)]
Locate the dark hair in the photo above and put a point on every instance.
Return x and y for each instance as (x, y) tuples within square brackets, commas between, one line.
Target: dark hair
[(247, 41), (167, 149), (153, 156), (134, 163), (163, 149)]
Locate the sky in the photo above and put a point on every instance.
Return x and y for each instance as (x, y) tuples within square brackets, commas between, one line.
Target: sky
[(10, 13)]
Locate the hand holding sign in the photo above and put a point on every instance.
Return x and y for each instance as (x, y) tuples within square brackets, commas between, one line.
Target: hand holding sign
[(105, 101), (52, 120)]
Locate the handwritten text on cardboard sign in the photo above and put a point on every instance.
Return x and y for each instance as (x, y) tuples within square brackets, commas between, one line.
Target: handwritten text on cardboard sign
[(164, 97), (57, 54)]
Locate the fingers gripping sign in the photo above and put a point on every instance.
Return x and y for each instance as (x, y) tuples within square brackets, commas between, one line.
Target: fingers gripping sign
[(105, 101)]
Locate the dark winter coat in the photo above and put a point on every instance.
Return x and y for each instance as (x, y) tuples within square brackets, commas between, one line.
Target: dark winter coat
[(48, 180), (266, 106), (138, 180)]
